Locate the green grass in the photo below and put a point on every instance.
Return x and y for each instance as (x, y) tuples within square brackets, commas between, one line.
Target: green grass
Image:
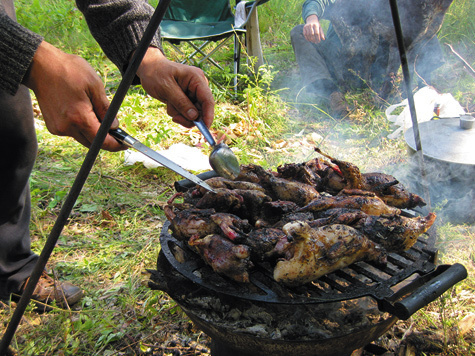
[(112, 236)]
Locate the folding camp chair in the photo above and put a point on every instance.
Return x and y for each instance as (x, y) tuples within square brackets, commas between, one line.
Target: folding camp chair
[(209, 22)]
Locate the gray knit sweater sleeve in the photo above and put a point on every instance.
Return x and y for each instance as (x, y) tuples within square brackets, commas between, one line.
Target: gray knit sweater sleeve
[(118, 26), (17, 48)]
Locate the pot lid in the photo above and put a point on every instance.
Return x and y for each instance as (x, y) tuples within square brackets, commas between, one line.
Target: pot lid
[(445, 140)]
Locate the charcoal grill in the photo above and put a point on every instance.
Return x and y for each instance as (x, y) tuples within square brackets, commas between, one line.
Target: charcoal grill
[(360, 279), (408, 282)]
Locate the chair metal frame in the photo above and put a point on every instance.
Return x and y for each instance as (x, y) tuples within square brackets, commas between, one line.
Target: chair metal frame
[(220, 40)]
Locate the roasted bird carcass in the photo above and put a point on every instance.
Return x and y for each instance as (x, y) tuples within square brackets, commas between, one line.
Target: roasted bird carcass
[(396, 233), (383, 185), (201, 222), (220, 182), (188, 222), (282, 189), (224, 256), (266, 243), (302, 172), (343, 216), (222, 199), (391, 191), (316, 252), (232, 226), (367, 202), (253, 202), (278, 213)]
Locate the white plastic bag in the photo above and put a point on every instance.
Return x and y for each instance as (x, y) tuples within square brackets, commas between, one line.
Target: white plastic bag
[(187, 157), (425, 100)]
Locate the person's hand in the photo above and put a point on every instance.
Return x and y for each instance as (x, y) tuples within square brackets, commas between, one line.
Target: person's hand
[(312, 30), (70, 94), (184, 89)]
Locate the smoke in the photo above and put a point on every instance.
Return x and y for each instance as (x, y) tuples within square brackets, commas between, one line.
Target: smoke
[(450, 186)]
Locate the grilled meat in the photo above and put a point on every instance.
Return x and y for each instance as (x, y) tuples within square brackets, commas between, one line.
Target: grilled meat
[(391, 191), (395, 233), (349, 171), (230, 225), (301, 172), (189, 222), (383, 185), (299, 193), (280, 212), (220, 182), (252, 173), (253, 202), (222, 200), (266, 244), (338, 216), (283, 189), (223, 256), (264, 216), (316, 252), (366, 202)]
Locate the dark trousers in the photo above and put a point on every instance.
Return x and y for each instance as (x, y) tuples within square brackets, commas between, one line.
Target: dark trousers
[(313, 59), (18, 148)]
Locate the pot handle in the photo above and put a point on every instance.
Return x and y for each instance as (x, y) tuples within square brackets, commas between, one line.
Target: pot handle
[(428, 288)]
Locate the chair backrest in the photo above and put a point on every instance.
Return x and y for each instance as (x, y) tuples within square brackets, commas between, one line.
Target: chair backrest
[(206, 11)]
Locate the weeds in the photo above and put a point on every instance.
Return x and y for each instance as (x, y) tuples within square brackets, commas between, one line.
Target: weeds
[(112, 236)]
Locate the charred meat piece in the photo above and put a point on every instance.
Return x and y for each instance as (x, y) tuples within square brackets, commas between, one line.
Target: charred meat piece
[(253, 202), (232, 226), (297, 216), (391, 191), (339, 216), (266, 244), (283, 189), (383, 185), (368, 204), (272, 212), (220, 182), (317, 252), (190, 222), (252, 173), (396, 233), (223, 256), (201, 222), (299, 193), (222, 200), (350, 172), (301, 172), (279, 207)]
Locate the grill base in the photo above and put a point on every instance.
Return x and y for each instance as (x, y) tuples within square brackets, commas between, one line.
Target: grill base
[(227, 341)]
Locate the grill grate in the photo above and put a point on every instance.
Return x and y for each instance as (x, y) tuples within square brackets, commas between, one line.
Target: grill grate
[(358, 280), (409, 281)]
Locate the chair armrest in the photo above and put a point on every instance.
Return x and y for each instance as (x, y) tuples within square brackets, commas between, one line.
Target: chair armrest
[(250, 7)]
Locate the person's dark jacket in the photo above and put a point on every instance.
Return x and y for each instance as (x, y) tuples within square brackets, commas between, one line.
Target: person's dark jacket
[(117, 25)]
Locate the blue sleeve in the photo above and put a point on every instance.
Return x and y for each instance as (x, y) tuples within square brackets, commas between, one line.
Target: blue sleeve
[(315, 7)]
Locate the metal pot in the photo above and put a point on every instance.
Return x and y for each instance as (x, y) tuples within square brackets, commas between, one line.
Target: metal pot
[(449, 167)]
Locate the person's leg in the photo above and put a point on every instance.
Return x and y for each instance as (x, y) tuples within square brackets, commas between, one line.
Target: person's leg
[(18, 149), (312, 65), (315, 64)]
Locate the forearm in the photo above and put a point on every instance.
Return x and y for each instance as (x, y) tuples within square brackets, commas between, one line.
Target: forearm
[(118, 26), (17, 48), (315, 7)]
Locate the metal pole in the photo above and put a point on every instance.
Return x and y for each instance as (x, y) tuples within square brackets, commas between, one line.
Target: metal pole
[(83, 174), (410, 97)]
